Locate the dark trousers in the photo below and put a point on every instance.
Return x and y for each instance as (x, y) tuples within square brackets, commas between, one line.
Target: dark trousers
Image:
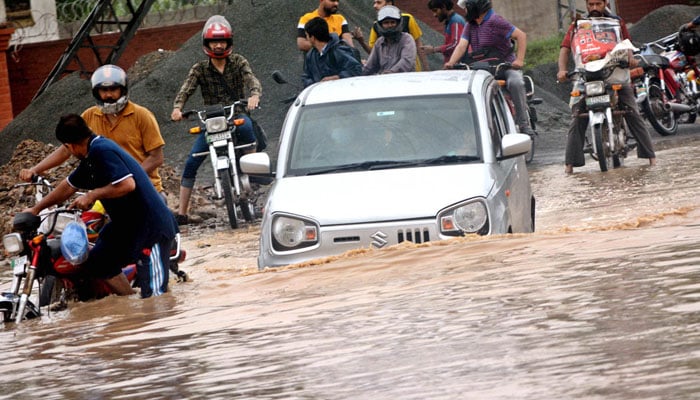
[(577, 130)]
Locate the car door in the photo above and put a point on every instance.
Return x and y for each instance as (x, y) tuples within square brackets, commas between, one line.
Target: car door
[(512, 185)]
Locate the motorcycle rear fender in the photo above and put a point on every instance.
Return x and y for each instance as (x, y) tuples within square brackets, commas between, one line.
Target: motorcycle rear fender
[(222, 163)]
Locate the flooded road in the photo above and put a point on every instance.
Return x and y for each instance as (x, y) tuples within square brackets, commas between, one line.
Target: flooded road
[(602, 302)]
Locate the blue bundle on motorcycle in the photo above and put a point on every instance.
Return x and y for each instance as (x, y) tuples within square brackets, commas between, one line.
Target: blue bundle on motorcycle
[(74, 243)]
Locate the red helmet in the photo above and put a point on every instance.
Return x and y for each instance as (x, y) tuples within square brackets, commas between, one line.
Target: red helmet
[(217, 29)]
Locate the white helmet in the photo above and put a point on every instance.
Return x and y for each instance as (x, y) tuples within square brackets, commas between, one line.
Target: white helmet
[(108, 76), (389, 12)]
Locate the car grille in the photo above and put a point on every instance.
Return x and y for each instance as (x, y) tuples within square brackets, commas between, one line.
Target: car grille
[(413, 235), (382, 237)]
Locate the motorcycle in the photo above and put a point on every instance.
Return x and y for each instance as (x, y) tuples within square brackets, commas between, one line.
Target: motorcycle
[(668, 91), (598, 82), (498, 69), (36, 257), (219, 127)]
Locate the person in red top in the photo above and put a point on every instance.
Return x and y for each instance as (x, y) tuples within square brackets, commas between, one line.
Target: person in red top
[(454, 25), (574, 156)]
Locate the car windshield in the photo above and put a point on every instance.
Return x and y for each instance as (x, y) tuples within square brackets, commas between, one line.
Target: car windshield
[(384, 133)]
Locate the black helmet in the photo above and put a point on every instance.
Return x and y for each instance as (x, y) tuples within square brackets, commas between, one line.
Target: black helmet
[(688, 42), (389, 12), (475, 8)]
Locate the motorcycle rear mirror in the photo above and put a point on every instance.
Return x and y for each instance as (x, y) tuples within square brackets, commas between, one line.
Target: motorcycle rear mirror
[(278, 77)]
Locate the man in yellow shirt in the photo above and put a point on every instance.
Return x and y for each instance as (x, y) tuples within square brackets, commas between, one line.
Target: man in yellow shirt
[(132, 126), (328, 10), (410, 26)]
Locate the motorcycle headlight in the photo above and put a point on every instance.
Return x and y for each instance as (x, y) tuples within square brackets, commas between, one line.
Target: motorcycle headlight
[(62, 219), (290, 233), (12, 242), (216, 124), (471, 217), (595, 88)]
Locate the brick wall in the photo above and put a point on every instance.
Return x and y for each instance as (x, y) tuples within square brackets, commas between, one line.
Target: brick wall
[(633, 10), (32, 63), (5, 92)]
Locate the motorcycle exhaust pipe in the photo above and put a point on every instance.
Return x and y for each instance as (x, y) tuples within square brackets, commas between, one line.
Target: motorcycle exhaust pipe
[(678, 108)]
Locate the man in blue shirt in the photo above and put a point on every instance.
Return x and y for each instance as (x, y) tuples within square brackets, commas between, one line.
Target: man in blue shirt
[(328, 59), (141, 226)]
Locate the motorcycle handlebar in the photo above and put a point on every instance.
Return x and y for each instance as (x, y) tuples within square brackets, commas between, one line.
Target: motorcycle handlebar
[(494, 69), (36, 180), (230, 108)]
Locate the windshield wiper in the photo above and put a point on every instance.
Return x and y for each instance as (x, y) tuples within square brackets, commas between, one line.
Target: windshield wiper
[(449, 159), (365, 166), (388, 164)]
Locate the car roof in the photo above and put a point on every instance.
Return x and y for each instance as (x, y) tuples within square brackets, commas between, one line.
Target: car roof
[(405, 84)]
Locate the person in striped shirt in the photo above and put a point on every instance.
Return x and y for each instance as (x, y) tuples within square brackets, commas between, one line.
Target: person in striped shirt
[(491, 36)]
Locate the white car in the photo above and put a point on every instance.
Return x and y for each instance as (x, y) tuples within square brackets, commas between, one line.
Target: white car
[(374, 161)]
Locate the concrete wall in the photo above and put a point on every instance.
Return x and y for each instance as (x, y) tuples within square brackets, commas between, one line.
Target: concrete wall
[(41, 27), (538, 18)]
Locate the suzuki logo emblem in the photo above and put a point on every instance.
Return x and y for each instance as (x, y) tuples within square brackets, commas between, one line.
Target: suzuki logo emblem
[(379, 239)]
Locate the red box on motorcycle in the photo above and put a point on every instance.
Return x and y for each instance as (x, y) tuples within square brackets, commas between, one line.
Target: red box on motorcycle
[(593, 38)]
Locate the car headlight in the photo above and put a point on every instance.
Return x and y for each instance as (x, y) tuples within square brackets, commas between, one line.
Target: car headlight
[(471, 217), (290, 233), (216, 124), (12, 242), (595, 88)]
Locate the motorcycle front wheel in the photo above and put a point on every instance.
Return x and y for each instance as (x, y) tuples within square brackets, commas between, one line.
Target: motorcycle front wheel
[(600, 133), (664, 122), (7, 308), (247, 210), (52, 291), (225, 177)]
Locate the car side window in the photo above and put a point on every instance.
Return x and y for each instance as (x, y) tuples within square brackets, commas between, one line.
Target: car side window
[(497, 119)]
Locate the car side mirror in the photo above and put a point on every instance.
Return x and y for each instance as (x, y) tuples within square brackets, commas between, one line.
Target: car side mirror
[(514, 144)]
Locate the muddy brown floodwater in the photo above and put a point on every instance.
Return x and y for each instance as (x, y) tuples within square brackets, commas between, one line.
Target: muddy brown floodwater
[(602, 302)]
